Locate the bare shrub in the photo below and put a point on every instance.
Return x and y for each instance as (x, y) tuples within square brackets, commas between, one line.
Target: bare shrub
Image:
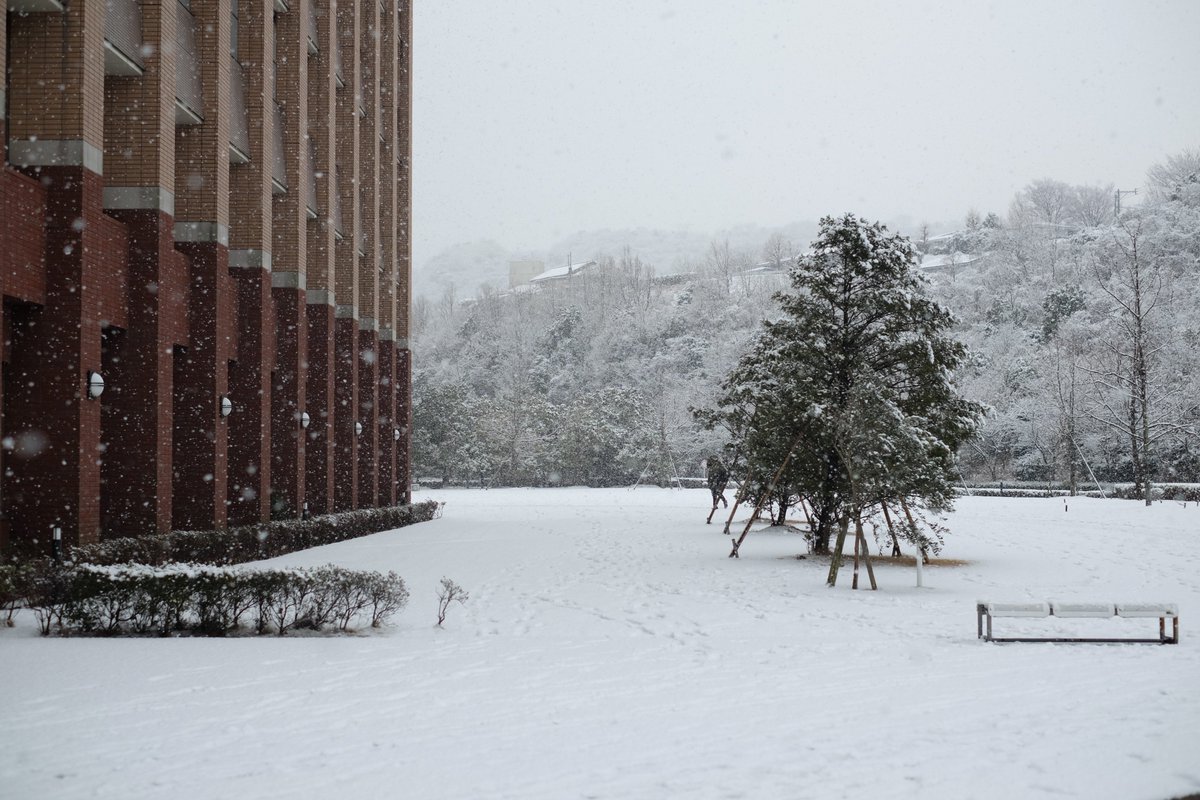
[(449, 592)]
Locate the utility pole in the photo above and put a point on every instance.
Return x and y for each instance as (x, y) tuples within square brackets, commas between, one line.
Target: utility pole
[(1117, 200)]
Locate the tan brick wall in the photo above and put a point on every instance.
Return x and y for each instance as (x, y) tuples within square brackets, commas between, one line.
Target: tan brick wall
[(58, 93), (250, 183), (3, 93), (291, 90), (368, 152), (202, 151), (387, 168), (321, 95), (404, 181), (139, 112), (347, 146)]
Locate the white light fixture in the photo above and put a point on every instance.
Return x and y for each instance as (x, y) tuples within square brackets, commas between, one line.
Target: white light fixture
[(395, 434), (226, 406), (305, 419), (358, 429), (95, 385)]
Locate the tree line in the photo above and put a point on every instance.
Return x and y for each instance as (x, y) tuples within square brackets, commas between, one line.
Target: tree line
[(1080, 323)]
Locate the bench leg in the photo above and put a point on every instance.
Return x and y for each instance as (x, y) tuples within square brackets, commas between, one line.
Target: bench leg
[(1162, 630)]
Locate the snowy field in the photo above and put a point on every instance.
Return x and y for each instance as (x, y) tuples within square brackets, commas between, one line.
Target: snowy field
[(611, 650)]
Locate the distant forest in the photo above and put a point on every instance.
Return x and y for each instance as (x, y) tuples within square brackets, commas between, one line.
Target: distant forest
[(1083, 320)]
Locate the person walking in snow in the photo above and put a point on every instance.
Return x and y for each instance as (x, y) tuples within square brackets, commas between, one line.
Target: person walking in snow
[(718, 479)]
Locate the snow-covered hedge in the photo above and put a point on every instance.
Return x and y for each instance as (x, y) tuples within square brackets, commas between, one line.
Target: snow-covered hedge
[(1021, 492), (1184, 493), (136, 599), (253, 542), (12, 591)]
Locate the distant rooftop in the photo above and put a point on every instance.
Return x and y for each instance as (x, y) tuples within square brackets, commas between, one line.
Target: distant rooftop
[(560, 273)]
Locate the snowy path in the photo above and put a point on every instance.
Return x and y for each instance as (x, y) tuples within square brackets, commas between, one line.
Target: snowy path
[(610, 650)]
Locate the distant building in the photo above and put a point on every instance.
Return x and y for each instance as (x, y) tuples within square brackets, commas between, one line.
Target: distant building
[(562, 273), (948, 263), (205, 263), (522, 272)]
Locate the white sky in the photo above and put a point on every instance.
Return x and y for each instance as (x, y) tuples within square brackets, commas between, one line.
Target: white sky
[(537, 118)]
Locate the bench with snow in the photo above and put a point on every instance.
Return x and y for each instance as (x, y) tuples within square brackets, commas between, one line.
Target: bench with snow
[(1161, 611)]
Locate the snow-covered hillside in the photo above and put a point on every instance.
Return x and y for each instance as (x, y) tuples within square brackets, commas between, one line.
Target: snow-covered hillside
[(609, 649)]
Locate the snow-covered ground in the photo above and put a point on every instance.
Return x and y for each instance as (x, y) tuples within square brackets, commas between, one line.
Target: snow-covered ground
[(611, 650)]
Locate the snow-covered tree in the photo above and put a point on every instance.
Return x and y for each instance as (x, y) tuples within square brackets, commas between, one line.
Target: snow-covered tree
[(853, 386)]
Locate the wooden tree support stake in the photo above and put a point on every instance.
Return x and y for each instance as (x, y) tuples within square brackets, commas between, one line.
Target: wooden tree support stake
[(866, 553), (891, 529), (807, 516), (835, 563), (758, 507), (737, 501)]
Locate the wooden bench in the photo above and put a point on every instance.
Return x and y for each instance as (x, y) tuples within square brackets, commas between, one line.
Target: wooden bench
[(1163, 611)]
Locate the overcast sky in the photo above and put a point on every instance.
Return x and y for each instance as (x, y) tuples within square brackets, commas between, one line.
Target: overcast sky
[(537, 118)]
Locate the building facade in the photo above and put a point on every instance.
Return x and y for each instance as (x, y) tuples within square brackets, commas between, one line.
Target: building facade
[(205, 263)]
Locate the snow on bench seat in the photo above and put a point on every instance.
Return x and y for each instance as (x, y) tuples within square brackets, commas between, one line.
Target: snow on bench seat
[(985, 611), (1103, 610), (1018, 609), (1159, 610)]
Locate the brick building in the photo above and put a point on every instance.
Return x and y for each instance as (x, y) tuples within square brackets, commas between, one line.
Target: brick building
[(204, 219)]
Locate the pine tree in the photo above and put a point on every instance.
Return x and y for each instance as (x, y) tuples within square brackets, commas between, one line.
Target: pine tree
[(857, 374)]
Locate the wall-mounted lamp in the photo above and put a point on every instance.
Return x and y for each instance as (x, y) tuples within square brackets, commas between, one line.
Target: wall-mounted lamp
[(226, 406), (305, 419), (95, 385), (56, 542), (358, 429), (395, 434)]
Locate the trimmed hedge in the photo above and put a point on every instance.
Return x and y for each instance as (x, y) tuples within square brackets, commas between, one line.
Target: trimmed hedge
[(13, 580), (253, 542), (1187, 494), (1159, 492), (135, 599)]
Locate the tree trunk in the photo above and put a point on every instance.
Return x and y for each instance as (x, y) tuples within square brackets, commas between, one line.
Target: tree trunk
[(823, 531), (835, 563)]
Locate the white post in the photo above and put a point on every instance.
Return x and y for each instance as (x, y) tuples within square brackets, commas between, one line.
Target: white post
[(920, 569)]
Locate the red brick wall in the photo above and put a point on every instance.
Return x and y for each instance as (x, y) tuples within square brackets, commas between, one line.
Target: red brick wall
[(167, 324), (288, 438), (24, 237), (345, 459), (320, 402), (112, 272)]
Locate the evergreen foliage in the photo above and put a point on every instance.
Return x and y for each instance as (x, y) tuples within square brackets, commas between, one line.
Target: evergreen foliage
[(854, 381)]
